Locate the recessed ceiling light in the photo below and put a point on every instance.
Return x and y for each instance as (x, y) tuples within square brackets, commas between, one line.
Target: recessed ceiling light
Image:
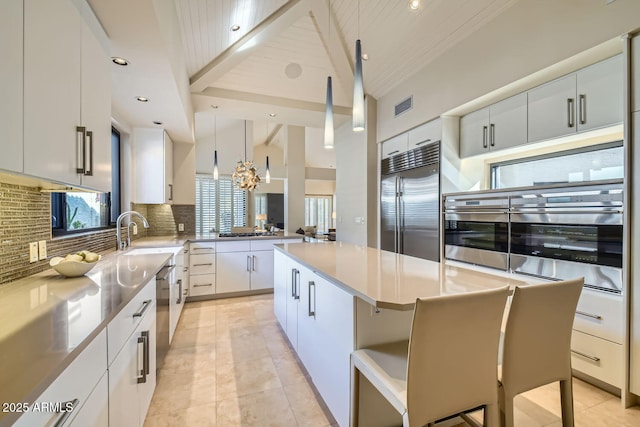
[(365, 57), (155, 122), (272, 114), (235, 27), (119, 61), (142, 99), (414, 4)]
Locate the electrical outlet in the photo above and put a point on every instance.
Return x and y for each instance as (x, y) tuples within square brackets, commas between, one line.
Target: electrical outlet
[(135, 228), (180, 227), (42, 249), (33, 251)]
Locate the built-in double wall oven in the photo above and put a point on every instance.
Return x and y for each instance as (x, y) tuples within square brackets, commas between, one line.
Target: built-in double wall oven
[(557, 233)]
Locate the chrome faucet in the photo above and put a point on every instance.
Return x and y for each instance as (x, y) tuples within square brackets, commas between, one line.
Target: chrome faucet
[(119, 243)]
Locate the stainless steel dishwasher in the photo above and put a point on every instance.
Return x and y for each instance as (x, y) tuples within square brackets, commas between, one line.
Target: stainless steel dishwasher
[(163, 285)]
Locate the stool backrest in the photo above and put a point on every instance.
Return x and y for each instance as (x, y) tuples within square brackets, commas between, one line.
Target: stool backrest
[(537, 337), (453, 354)]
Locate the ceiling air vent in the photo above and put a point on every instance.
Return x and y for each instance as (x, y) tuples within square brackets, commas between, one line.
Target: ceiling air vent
[(403, 106)]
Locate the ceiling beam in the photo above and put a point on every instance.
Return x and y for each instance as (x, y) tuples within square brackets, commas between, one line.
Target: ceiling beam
[(272, 135), (264, 32), (333, 41)]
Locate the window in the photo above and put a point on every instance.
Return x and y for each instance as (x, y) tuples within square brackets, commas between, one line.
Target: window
[(604, 161), (73, 212), (219, 206), (260, 208), (317, 211)]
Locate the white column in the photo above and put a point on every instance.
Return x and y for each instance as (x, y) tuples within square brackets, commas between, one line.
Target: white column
[(294, 183)]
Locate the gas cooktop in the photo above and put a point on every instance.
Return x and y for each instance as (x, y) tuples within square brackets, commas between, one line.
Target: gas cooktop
[(245, 234)]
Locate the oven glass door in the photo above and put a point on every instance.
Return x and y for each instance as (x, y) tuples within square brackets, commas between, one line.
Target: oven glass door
[(491, 236), (598, 244)]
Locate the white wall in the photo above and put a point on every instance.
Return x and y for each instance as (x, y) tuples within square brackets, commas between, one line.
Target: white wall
[(357, 182), (319, 187), (526, 38), (228, 139), (184, 173)]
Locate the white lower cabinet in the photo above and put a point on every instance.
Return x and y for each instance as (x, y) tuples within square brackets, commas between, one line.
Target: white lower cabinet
[(202, 269), (72, 391), (233, 271), (132, 372), (280, 287), (320, 327), (598, 358), (95, 412)]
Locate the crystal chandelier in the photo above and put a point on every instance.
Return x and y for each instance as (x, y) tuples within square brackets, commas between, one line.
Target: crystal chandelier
[(245, 176)]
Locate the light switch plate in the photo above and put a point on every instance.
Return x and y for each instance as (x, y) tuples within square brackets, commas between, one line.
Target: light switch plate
[(180, 227), (42, 249), (135, 228), (33, 251)]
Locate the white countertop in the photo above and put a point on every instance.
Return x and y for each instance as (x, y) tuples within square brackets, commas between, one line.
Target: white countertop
[(388, 280)]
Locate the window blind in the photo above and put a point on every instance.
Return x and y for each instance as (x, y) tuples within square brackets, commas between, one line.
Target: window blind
[(219, 206)]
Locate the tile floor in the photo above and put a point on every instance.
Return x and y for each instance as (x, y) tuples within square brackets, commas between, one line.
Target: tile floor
[(230, 365)]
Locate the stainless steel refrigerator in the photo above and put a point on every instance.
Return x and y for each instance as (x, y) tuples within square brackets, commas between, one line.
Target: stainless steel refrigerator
[(410, 203)]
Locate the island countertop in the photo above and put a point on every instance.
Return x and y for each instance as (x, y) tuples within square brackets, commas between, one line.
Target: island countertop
[(389, 280)]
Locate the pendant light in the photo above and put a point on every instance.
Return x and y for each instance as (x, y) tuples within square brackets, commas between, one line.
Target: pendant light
[(245, 176), (328, 118), (215, 148), (358, 86), (267, 172)]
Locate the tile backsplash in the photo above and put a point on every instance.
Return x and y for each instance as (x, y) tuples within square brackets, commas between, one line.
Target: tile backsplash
[(25, 216)]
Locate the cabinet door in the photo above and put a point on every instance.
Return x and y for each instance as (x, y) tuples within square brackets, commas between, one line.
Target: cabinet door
[(11, 24), (202, 284), (600, 90), (96, 110), (123, 386), (396, 145), (425, 134), (95, 411), (52, 34), (233, 271), (508, 127), (334, 335), (552, 109), (168, 169), (635, 73), (280, 288), (262, 269), (146, 388), (474, 133), (293, 280), (149, 170), (307, 327)]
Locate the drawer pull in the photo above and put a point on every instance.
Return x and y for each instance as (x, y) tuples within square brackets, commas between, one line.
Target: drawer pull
[(423, 142), (593, 316), (64, 416), (203, 285), (145, 307), (203, 248), (594, 358), (393, 152), (202, 265)]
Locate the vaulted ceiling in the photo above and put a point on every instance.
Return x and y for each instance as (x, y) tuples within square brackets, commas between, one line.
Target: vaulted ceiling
[(279, 58)]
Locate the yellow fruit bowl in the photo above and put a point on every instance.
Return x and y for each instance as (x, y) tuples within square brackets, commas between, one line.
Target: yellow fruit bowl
[(71, 268)]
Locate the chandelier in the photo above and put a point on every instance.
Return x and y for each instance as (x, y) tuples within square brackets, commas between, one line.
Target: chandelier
[(245, 176)]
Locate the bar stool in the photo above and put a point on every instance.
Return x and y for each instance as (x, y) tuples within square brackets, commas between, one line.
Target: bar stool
[(448, 366), (537, 344)]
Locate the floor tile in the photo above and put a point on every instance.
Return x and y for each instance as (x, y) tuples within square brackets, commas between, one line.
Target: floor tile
[(268, 408), (242, 378)]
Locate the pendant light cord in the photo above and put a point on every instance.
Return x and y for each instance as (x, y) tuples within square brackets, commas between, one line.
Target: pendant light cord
[(358, 19), (245, 140)]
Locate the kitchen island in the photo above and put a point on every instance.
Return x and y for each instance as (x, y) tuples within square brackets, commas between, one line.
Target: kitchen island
[(333, 298)]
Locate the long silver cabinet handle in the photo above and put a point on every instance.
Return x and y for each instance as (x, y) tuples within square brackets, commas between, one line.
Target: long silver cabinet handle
[(593, 316), (423, 142), (248, 262), (594, 358), (203, 264), (492, 135), (570, 113), (89, 171), (145, 306), (170, 191), (202, 248), (64, 416), (253, 263), (293, 282), (582, 111), (297, 284), (179, 300), (312, 313), (394, 152), (203, 285), (83, 132)]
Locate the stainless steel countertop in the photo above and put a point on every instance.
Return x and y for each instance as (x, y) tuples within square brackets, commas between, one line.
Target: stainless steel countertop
[(47, 320)]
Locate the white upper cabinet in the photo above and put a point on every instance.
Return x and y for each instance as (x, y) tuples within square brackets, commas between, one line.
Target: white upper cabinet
[(52, 146), (600, 95), (498, 126), (11, 85), (395, 145), (589, 99), (67, 98), (425, 134), (635, 73), (153, 159)]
